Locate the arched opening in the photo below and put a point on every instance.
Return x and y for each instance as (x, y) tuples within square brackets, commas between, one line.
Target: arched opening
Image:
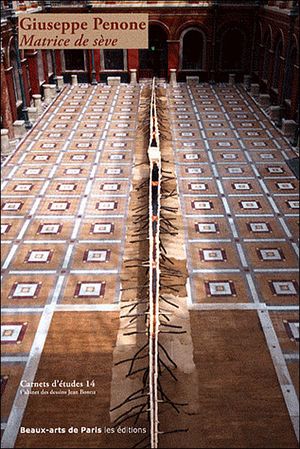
[(74, 60), (154, 60), (233, 47), (277, 63), (291, 73), (114, 59), (257, 49), (192, 50), (15, 75), (266, 57)]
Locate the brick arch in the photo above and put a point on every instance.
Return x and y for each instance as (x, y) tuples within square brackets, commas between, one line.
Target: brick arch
[(225, 26), (268, 34), (277, 37), (162, 25), (266, 48), (258, 46), (292, 74), (191, 24), (259, 33), (277, 63), (295, 43), (185, 31), (9, 47)]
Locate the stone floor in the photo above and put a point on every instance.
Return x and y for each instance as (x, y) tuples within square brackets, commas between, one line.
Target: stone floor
[(238, 197), (240, 206), (64, 205)]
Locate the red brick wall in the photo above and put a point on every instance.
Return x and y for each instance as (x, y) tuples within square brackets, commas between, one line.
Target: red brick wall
[(176, 21), (278, 23)]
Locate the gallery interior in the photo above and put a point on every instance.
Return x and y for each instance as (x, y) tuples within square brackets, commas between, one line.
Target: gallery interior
[(150, 230)]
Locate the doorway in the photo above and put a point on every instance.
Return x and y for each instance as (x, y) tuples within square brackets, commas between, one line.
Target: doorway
[(154, 60)]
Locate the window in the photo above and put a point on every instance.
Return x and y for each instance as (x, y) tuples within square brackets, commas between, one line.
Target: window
[(113, 59), (74, 60), (192, 50)]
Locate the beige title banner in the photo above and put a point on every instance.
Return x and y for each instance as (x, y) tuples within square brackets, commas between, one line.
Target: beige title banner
[(107, 31)]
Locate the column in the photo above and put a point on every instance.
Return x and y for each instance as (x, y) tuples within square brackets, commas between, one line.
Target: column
[(133, 77), (37, 102), (92, 67), (58, 62), (295, 96), (271, 68), (254, 89), (209, 60), (289, 127), (11, 92), (47, 93), (232, 78), (19, 129), (5, 147), (133, 60), (213, 65), (264, 100), (33, 71), (282, 71), (260, 61), (25, 80), (74, 80), (247, 82), (173, 77), (45, 66), (173, 55), (97, 64), (52, 88), (274, 113), (60, 81), (286, 66)]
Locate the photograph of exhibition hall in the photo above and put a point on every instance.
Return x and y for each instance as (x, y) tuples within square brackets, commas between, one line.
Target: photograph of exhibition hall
[(150, 229)]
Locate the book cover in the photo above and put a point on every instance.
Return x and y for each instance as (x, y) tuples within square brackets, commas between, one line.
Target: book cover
[(149, 224)]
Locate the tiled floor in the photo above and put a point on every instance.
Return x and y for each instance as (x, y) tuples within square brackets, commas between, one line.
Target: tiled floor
[(65, 196), (65, 193), (240, 204)]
